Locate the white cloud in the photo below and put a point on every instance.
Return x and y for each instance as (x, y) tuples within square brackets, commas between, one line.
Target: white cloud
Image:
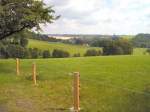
[(100, 16)]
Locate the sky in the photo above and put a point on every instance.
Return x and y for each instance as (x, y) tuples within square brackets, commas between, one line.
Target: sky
[(128, 17)]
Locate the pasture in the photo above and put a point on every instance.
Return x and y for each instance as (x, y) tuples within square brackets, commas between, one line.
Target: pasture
[(72, 49), (108, 84)]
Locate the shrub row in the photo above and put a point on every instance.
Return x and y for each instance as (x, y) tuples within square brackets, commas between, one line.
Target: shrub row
[(57, 53), (16, 51)]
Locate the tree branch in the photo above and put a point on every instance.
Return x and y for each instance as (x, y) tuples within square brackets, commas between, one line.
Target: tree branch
[(12, 32)]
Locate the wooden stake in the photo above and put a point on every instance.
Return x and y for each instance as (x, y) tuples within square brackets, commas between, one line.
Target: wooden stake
[(34, 73), (76, 92), (17, 66)]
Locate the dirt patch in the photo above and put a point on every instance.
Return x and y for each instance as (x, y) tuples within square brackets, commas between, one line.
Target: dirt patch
[(3, 108), (25, 105)]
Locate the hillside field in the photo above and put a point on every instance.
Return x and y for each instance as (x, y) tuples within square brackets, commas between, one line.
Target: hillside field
[(108, 84), (72, 49)]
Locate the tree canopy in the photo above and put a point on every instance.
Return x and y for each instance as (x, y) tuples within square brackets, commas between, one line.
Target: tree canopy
[(141, 40), (17, 15)]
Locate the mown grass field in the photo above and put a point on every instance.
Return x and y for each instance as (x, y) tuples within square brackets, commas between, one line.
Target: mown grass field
[(108, 84), (72, 49)]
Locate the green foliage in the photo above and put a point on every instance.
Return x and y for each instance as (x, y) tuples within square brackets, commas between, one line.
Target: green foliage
[(36, 49), (101, 42), (23, 42), (118, 46), (92, 52), (126, 45), (45, 38), (3, 52), (76, 55), (60, 53), (112, 50), (46, 54), (17, 15), (141, 40), (72, 49), (34, 52), (15, 47), (12, 48), (15, 51)]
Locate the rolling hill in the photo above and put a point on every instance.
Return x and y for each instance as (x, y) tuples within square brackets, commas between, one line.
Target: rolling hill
[(72, 49)]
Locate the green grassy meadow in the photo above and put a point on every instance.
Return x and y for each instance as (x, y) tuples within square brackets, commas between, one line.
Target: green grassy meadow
[(72, 49), (108, 84)]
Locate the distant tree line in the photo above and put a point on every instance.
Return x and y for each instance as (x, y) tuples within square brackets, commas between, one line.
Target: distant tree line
[(114, 46), (16, 47), (44, 37), (111, 45), (141, 40)]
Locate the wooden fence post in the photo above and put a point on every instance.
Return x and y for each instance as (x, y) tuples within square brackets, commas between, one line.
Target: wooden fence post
[(76, 92), (34, 73), (17, 66)]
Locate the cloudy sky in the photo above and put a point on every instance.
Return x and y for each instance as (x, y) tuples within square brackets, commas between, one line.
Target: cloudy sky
[(100, 17)]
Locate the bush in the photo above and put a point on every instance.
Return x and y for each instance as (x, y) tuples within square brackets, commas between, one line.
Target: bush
[(46, 54), (34, 53), (76, 55), (60, 53), (126, 45), (118, 47), (3, 52), (23, 42), (112, 50), (92, 52), (15, 51)]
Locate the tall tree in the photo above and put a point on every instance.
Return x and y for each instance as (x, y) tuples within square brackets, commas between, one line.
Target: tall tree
[(17, 15)]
